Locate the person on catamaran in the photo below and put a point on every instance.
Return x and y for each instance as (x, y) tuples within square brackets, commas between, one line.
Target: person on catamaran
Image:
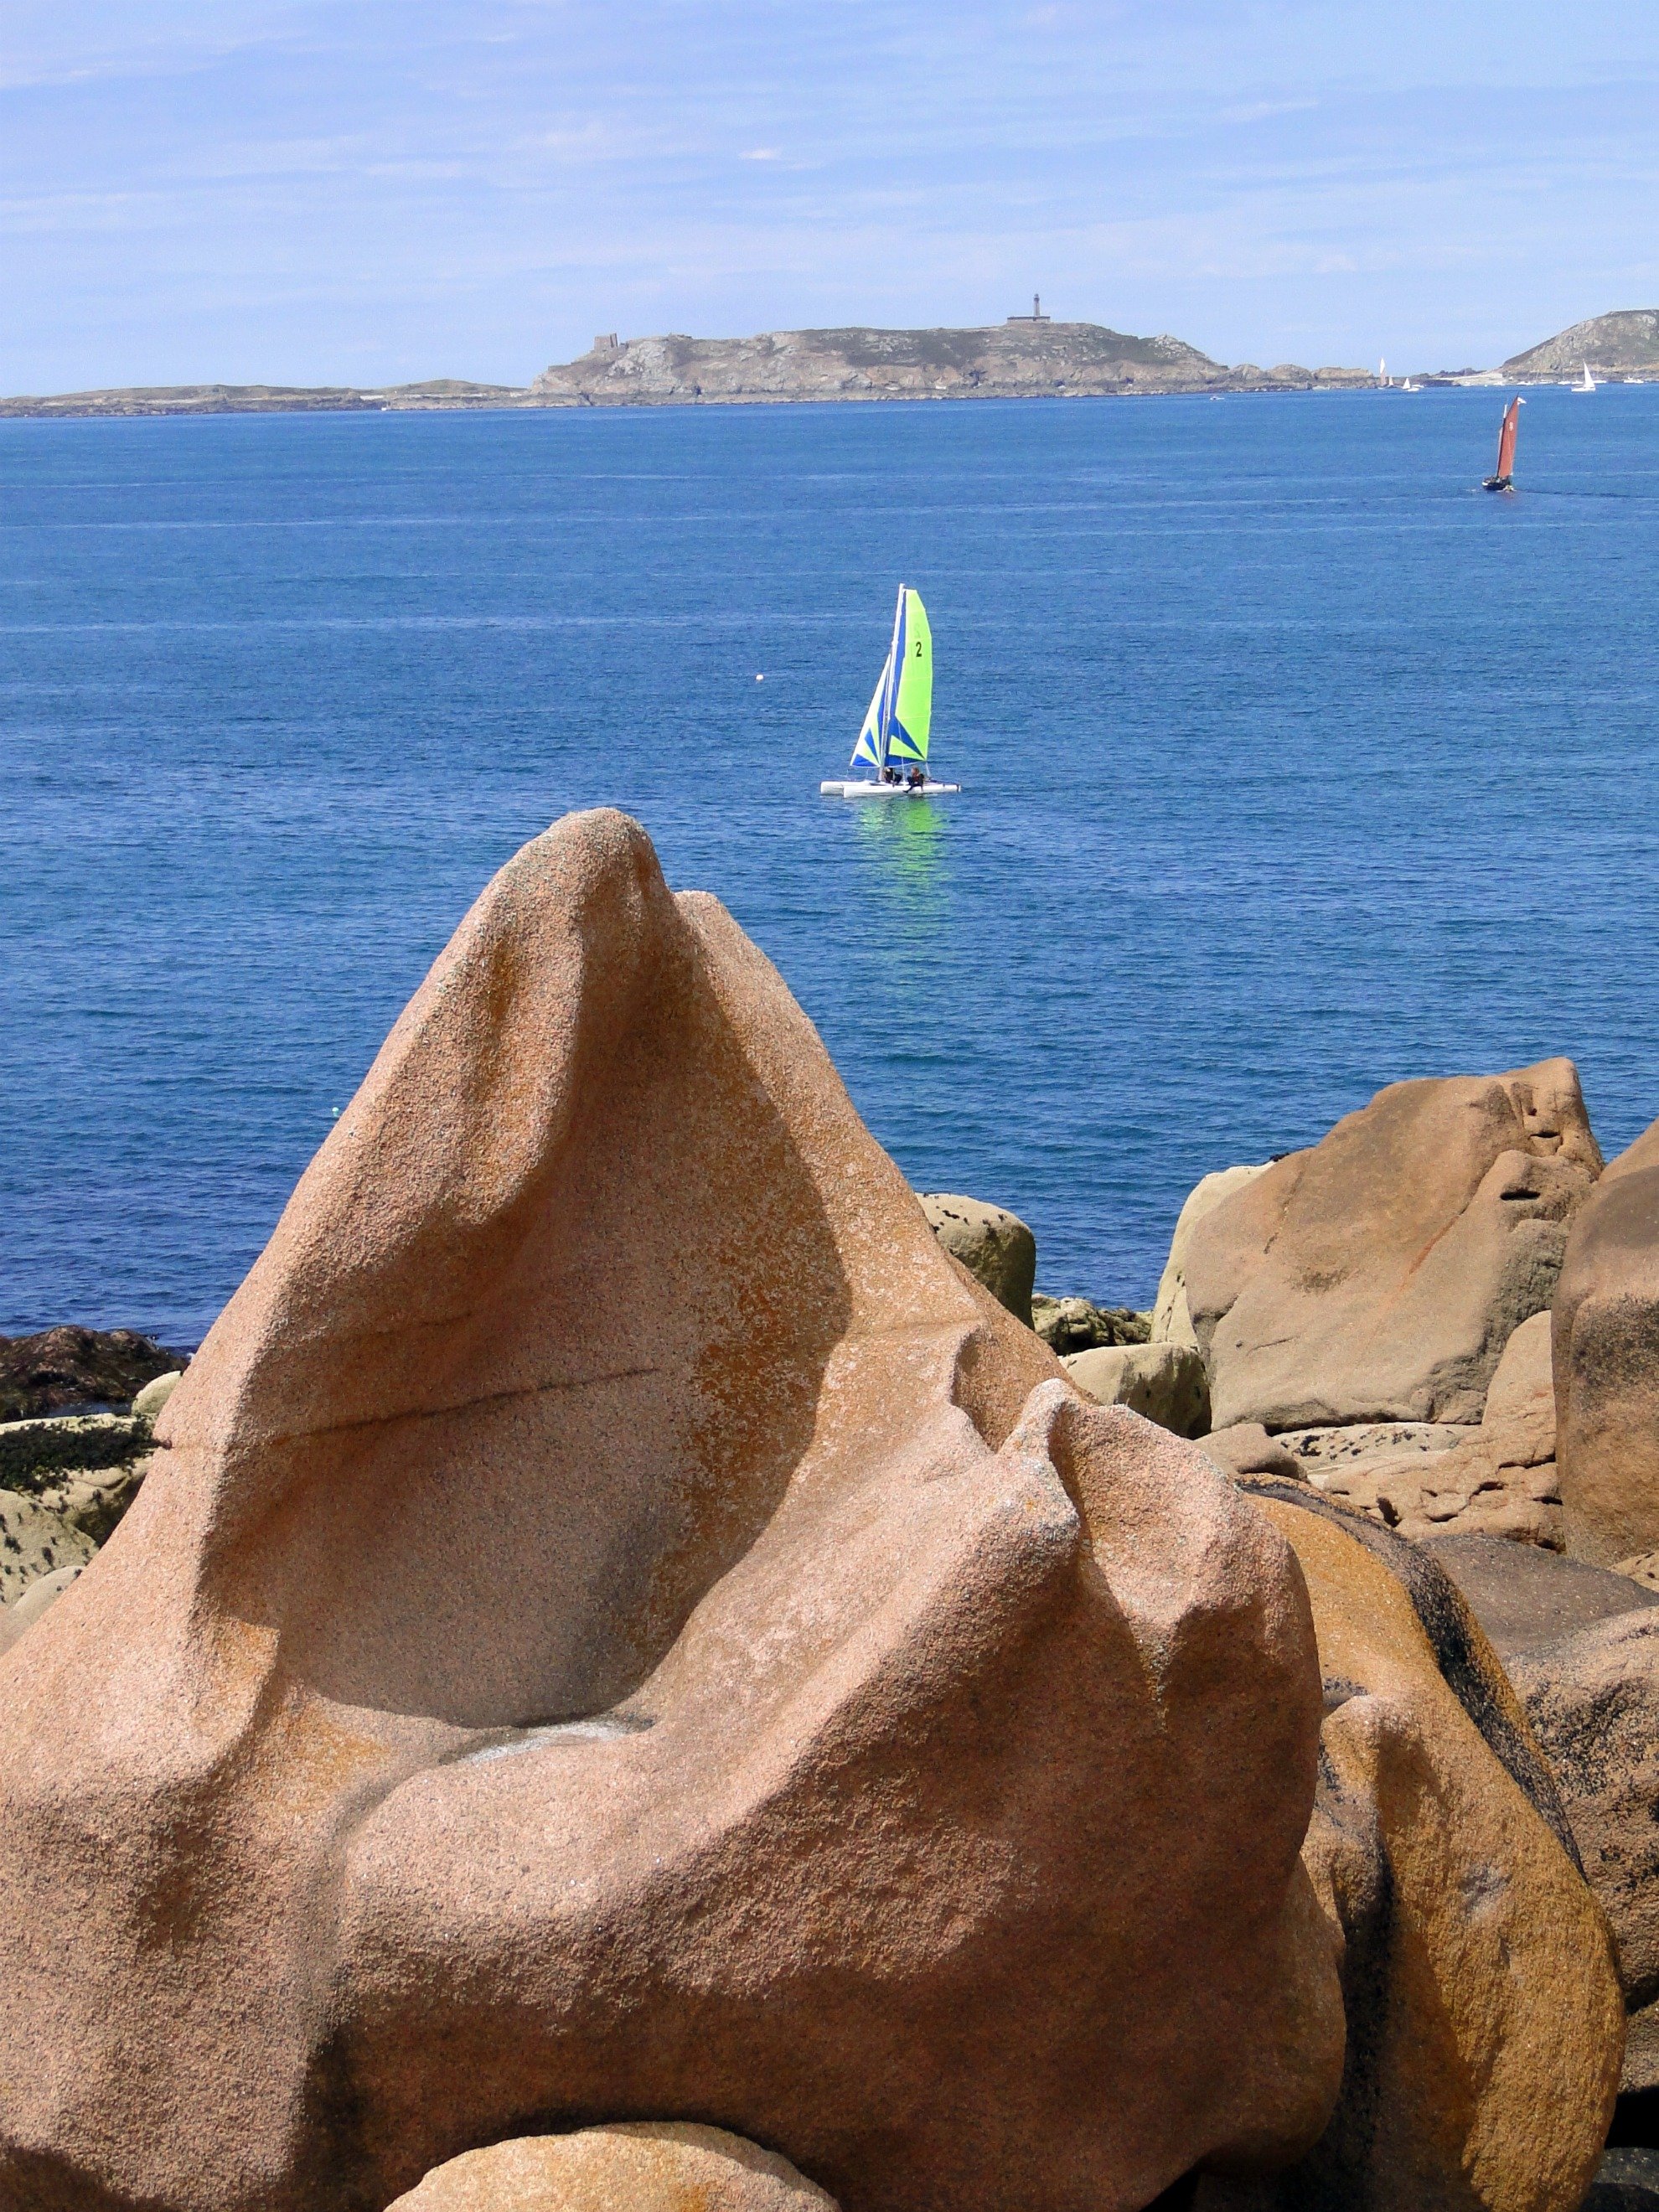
[(894, 733)]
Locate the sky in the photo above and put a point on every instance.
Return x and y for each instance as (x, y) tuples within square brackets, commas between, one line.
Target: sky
[(370, 192)]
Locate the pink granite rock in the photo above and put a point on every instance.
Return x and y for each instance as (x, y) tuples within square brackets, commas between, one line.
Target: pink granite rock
[(1379, 1276), (620, 1628)]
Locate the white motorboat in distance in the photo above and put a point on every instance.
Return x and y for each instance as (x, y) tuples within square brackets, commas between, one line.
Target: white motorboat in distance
[(899, 721)]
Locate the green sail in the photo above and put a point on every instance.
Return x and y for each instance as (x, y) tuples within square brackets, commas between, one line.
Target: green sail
[(913, 710)]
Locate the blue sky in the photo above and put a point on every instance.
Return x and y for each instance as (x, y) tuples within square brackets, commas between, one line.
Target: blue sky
[(246, 189)]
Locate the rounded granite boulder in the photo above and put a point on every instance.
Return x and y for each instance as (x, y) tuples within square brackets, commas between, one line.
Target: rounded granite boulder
[(995, 1246), (638, 2166)]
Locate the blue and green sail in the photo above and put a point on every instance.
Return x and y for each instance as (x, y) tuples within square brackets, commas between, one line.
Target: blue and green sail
[(901, 713)]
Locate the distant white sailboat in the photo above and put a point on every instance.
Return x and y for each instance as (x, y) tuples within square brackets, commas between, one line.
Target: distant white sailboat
[(899, 721), (1586, 382), (1407, 386)]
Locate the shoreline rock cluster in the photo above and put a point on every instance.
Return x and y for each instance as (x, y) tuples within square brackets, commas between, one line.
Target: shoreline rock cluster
[(1444, 1318), (846, 1761)]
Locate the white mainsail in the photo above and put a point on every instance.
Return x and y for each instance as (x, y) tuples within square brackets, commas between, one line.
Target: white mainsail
[(871, 746)]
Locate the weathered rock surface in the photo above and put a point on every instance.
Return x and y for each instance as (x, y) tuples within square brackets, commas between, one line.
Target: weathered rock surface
[(1560, 1628), (995, 1246), (1247, 1448), (34, 1452), (1358, 1465), (1593, 1699), (1627, 2180), (832, 1723), (1606, 1364), (1427, 1478), (1518, 1424), (61, 1367), (1641, 2050), (147, 1403), (1379, 1276), (638, 2166), (64, 1483), (1523, 1597), (1163, 1382), (42, 1593), (1067, 1325), (35, 1539), (1485, 2021), (1172, 1320)]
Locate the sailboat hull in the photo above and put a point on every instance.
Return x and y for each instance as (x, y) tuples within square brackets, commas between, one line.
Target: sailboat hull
[(1497, 483), (839, 790)]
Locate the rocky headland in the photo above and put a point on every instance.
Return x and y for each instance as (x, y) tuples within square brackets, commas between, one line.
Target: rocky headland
[(611, 1682), (1623, 345)]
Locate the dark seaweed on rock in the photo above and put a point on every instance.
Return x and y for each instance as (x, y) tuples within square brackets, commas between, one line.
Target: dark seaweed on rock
[(65, 1367)]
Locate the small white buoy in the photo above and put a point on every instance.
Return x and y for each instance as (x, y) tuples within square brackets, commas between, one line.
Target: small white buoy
[(760, 679)]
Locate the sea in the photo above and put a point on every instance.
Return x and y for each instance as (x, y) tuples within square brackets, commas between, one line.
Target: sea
[(1293, 764)]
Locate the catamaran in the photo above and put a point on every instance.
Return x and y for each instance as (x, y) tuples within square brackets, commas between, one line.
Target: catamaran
[(901, 713), (1502, 478)]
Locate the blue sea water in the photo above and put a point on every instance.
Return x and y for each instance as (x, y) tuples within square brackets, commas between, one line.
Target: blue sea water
[(1294, 764)]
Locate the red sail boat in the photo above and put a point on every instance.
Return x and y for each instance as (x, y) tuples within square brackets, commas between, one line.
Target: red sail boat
[(1505, 479)]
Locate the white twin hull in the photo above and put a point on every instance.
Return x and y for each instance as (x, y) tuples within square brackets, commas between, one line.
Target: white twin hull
[(839, 790)]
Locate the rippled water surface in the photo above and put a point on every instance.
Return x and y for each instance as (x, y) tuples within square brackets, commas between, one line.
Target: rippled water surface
[(1294, 764)]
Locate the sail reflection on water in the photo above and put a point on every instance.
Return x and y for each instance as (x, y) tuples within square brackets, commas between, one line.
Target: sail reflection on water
[(907, 868)]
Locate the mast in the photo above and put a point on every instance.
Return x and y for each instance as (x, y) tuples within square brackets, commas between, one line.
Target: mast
[(889, 695)]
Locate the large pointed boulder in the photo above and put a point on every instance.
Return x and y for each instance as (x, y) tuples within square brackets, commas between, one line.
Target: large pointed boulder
[(622, 1628), (1379, 1276)]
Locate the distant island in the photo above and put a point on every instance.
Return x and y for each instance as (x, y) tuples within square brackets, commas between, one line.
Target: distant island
[(1026, 357), (1029, 356), (439, 392)]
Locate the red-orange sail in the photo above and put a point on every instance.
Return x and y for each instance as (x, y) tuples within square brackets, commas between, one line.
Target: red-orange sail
[(1506, 442)]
